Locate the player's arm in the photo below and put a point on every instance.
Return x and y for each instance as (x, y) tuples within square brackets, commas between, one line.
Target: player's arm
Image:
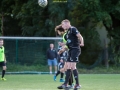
[(61, 51), (64, 48), (80, 38), (77, 33)]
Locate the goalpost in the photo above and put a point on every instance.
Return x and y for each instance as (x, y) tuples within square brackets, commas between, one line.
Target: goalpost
[(32, 38), (28, 51)]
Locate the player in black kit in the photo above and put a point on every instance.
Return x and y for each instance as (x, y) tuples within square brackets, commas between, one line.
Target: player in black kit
[(61, 59), (74, 41)]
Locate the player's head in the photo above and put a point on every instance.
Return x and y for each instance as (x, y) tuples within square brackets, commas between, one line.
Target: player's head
[(66, 24), (59, 30), (1, 42)]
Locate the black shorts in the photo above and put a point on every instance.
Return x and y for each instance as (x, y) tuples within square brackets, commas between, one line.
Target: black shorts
[(60, 65), (2, 64), (73, 55)]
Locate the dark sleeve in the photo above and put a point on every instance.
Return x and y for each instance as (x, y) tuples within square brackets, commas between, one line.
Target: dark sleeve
[(75, 31)]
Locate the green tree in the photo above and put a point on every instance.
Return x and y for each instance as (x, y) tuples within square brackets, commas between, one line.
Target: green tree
[(8, 23), (31, 17), (88, 13), (27, 18)]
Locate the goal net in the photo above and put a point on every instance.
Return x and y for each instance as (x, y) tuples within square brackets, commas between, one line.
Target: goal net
[(24, 52)]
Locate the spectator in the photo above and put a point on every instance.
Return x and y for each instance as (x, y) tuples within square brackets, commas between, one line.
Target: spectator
[(52, 58)]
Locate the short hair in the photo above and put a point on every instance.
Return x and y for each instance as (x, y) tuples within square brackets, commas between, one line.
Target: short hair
[(66, 21)]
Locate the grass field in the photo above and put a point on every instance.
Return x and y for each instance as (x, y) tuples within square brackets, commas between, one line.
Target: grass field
[(45, 82)]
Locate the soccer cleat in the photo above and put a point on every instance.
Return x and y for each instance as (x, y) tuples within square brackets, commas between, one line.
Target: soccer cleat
[(77, 86), (54, 78), (61, 80), (63, 86), (71, 86), (75, 89), (3, 79)]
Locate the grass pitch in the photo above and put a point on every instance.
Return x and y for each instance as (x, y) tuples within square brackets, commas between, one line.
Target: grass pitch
[(46, 82)]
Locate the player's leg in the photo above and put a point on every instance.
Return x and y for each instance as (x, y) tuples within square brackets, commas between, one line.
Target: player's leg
[(55, 76), (76, 76), (61, 77), (74, 55), (68, 71), (68, 68), (58, 72), (62, 73), (71, 80), (64, 85), (3, 71)]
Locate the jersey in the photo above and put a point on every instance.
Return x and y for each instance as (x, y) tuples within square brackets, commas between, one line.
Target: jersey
[(64, 38), (1, 54), (63, 55), (72, 39)]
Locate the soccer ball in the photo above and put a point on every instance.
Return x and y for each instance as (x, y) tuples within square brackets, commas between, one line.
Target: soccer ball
[(42, 3)]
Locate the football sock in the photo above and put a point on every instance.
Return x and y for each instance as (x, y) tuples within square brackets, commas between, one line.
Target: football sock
[(75, 72), (3, 73), (58, 72), (67, 76), (62, 74), (70, 79)]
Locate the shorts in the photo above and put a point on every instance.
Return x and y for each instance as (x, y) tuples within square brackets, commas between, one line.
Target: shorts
[(60, 65), (52, 62), (73, 55), (2, 64)]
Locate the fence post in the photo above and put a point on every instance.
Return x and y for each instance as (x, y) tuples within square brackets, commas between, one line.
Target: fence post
[(16, 50)]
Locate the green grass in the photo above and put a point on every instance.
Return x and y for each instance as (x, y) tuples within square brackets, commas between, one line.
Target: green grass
[(45, 82)]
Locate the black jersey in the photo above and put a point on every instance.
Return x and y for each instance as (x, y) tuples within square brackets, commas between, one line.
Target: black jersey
[(63, 55), (72, 39)]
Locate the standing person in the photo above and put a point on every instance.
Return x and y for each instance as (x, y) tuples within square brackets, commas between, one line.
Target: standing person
[(64, 49), (2, 59), (74, 41), (52, 58)]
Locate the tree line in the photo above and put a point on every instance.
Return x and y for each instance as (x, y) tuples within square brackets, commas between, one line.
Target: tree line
[(27, 18)]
